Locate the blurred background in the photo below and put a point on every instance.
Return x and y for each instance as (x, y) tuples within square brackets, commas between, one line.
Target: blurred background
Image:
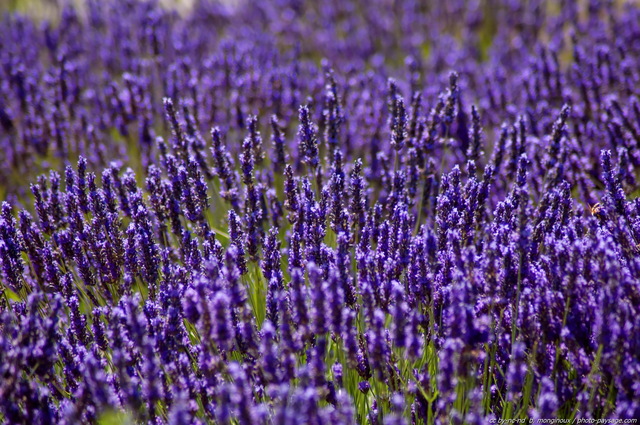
[(50, 8)]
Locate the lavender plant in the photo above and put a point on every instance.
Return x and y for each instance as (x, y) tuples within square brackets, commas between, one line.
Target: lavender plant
[(331, 212)]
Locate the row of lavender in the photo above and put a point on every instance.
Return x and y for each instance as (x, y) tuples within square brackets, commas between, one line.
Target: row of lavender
[(292, 212)]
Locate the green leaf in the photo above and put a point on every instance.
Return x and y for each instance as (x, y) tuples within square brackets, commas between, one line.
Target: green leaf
[(12, 295), (115, 417)]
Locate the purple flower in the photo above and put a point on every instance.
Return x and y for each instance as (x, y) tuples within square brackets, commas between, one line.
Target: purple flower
[(465, 252), (307, 138)]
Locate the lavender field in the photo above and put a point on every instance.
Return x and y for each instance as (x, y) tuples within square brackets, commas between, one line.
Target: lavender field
[(290, 212)]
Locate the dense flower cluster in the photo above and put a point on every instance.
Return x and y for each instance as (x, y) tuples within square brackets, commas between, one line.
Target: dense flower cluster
[(326, 212)]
